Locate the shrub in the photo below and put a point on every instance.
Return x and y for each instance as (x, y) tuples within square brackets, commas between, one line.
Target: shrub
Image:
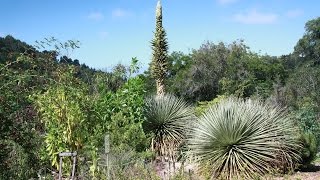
[(13, 160), (202, 106), (166, 119), (120, 114), (238, 138), (309, 148), (307, 119)]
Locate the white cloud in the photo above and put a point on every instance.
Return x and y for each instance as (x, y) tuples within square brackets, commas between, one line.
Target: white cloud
[(294, 13), (96, 16), (255, 17), (119, 13), (1, 34), (223, 2)]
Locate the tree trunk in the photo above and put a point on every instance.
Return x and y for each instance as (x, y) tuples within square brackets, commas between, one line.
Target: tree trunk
[(160, 87)]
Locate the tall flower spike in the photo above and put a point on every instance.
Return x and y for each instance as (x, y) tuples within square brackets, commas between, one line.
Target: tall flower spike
[(160, 53), (159, 9)]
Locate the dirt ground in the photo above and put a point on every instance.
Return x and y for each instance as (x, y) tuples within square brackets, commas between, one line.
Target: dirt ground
[(312, 173)]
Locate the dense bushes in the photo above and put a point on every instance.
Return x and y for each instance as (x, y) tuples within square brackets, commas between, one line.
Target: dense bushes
[(309, 124), (64, 109), (14, 161), (77, 119), (309, 148), (20, 128)]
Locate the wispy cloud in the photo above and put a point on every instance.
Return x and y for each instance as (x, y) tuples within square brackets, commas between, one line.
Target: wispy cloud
[(294, 13), (255, 17), (224, 2), (120, 13), (95, 16), (103, 34)]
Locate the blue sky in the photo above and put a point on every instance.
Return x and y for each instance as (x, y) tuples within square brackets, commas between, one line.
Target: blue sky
[(113, 31)]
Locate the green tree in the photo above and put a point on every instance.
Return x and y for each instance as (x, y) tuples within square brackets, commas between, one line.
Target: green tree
[(237, 80), (302, 67), (201, 81), (11, 48), (250, 74), (178, 66), (308, 47), (159, 53), (20, 127)]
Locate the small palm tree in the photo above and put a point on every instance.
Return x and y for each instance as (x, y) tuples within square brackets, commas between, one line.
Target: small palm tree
[(166, 119), (243, 138)]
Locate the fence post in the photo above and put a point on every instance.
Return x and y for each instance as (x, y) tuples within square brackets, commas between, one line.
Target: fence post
[(74, 164), (60, 167), (107, 151)]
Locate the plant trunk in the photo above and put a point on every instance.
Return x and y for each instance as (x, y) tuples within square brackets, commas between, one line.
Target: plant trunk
[(160, 87)]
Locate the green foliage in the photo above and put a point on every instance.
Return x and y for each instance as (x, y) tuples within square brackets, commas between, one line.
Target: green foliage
[(78, 116), (178, 64), (64, 109), (76, 120), (11, 49), (159, 52), (241, 138), (309, 148), (14, 161), (238, 79), (303, 85), (60, 48), (203, 106), (308, 120), (309, 124), (201, 81), (308, 47), (19, 122), (119, 114), (223, 69), (67, 99), (250, 74), (122, 114), (166, 119)]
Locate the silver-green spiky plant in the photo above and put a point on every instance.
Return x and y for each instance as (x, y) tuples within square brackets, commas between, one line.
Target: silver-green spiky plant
[(166, 118), (160, 53), (243, 138)]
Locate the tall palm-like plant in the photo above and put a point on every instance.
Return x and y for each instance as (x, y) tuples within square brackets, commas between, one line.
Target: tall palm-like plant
[(160, 53), (166, 119), (242, 138)]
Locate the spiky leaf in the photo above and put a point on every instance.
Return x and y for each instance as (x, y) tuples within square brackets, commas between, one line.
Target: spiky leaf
[(243, 138), (166, 118)]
